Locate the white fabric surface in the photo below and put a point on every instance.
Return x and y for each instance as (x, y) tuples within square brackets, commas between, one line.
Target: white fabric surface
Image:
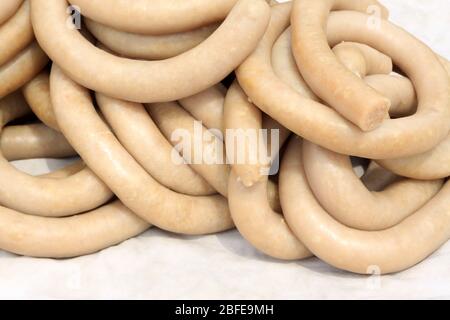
[(158, 265)]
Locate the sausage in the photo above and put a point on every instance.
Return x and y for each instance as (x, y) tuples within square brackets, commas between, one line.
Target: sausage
[(150, 81), (388, 251), (34, 141), (259, 224), (270, 124), (148, 47), (42, 196), (207, 106), (210, 107), (68, 237), (8, 8), (141, 137), (362, 59), (434, 164), (24, 67), (285, 67), (399, 90), (170, 117), (37, 95), (156, 16), (331, 81), (103, 153), (16, 33), (243, 117), (323, 126), (343, 195)]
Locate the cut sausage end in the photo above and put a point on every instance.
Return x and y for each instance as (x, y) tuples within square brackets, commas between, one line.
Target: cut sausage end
[(376, 116)]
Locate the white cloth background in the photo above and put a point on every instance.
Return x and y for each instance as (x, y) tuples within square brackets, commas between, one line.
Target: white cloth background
[(158, 265)]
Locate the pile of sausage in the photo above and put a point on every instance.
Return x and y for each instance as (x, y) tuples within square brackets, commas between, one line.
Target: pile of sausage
[(111, 83)]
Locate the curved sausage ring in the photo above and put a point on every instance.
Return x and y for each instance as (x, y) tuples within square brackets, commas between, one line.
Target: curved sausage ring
[(8, 8), (43, 196), (103, 153), (16, 34), (395, 138), (150, 81), (343, 195), (148, 47), (388, 251), (155, 17)]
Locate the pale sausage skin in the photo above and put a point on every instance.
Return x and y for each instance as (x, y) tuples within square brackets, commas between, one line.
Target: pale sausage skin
[(42, 196), (21, 69), (37, 95), (343, 195), (34, 141), (148, 47), (155, 17), (68, 237), (16, 33), (170, 117), (150, 81), (388, 251), (8, 8), (323, 126), (141, 137), (169, 210), (434, 164), (329, 79)]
